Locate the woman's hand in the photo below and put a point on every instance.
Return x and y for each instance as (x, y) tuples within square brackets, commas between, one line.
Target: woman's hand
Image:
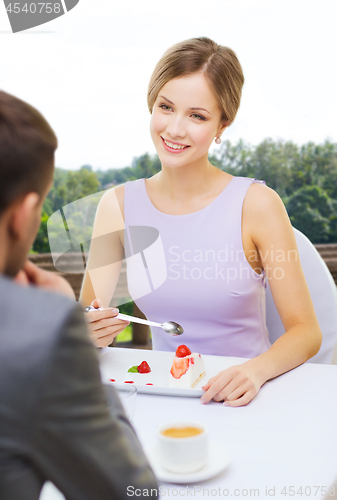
[(236, 386), (103, 327)]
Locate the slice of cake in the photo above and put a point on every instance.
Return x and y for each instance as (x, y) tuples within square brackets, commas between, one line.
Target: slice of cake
[(187, 368)]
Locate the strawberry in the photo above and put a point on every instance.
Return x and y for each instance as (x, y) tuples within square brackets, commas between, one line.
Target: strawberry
[(144, 367), (182, 351)]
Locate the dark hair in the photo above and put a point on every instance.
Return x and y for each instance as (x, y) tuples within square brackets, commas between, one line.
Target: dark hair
[(27, 146), (217, 63)]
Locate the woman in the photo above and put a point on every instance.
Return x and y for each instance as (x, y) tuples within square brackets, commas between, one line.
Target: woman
[(221, 236)]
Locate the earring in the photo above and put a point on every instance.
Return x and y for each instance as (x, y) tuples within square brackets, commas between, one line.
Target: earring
[(218, 140)]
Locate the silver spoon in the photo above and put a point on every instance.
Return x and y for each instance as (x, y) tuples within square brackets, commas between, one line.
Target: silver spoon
[(168, 326)]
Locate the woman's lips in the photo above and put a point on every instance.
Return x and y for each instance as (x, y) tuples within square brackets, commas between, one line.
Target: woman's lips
[(171, 150)]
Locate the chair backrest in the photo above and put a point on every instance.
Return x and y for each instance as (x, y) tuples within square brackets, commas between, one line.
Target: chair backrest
[(323, 293), (50, 492)]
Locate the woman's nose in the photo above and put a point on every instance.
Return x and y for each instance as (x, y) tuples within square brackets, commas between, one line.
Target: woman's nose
[(176, 127)]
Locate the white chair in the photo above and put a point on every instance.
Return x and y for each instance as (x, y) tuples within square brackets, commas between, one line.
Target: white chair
[(323, 293), (50, 492)]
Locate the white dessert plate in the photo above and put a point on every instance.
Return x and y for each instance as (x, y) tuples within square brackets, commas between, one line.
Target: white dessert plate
[(115, 362), (218, 461)]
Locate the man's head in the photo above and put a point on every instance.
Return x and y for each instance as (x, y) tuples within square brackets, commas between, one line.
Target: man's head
[(27, 147)]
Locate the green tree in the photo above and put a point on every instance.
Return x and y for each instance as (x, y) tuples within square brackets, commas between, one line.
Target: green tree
[(79, 184), (41, 243), (269, 161), (68, 187), (310, 210), (333, 223), (144, 166), (234, 159)]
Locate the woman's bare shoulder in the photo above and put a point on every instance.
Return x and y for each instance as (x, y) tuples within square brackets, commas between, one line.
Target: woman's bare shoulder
[(261, 198), (109, 216), (264, 212), (113, 201)]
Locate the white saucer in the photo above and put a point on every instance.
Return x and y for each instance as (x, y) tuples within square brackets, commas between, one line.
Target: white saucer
[(217, 462)]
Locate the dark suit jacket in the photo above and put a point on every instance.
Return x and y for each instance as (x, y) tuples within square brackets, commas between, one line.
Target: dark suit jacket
[(54, 420)]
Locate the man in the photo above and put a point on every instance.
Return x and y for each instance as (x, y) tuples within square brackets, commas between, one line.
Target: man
[(54, 420)]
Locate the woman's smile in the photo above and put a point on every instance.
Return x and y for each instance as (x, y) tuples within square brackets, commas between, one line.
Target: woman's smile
[(173, 147)]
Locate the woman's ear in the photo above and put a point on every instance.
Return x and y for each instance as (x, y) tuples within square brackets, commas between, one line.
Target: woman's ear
[(25, 217), (223, 126)]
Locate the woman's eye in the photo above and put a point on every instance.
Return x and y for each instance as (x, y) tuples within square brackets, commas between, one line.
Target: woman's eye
[(199, 117), (163, 106)]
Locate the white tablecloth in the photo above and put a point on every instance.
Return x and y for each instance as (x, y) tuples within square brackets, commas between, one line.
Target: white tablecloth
[(284, 440), (286, 436)]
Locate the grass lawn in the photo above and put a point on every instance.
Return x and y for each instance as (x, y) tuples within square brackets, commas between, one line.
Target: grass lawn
[(125, 335)]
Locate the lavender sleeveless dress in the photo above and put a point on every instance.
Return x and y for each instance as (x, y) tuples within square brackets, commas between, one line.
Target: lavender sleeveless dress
[(192, 269)]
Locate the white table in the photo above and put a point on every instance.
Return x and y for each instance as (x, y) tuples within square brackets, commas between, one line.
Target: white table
[(286, 437)]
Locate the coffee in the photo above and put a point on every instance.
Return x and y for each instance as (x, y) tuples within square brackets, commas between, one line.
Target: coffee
[(182, 446), (182, 432)]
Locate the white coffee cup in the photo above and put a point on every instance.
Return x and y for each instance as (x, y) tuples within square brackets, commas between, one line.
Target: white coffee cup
[(185, 453)]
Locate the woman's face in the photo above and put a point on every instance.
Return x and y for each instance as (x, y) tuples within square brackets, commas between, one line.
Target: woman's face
[(185, 120)]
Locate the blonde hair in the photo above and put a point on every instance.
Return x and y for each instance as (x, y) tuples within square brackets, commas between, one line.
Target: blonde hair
[(218, 64)]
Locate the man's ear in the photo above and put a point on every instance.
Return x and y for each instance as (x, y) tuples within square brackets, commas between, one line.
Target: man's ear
[(24, 216)]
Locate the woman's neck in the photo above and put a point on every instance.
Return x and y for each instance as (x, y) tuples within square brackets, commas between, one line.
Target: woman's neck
[(187, 182)]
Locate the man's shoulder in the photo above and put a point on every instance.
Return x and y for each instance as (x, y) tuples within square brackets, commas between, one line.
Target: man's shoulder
[(37, 330), (30, 314)]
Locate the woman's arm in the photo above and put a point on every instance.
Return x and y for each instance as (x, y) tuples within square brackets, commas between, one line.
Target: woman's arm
[(274, 238), (103, 267), (106, 250), (302, 338)]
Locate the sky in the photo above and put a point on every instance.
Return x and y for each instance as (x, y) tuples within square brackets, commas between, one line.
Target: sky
[(88, 71)]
